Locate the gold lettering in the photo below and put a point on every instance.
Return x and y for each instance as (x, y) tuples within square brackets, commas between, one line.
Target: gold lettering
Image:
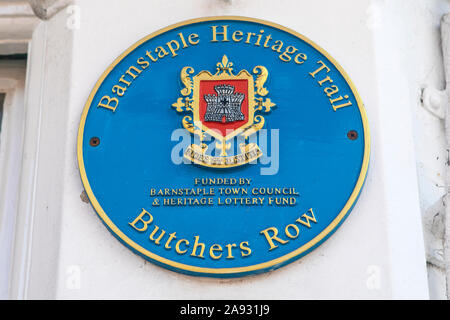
[(131, 73), (144, 222), (285, 56), (182, 40), (143, 63), (277, 46), (172, 49), (194, 249), (161, 52), (107, 105), (348, 103), (249, 35), (323, 66), (288, 233), (124, 81), (149, 54), (325, 80), (171, 237), (273, 237), (266, 43), (230, 246), (120, 91), (245, 247), (302, 56), (224, 33), (215, 247), (154, 232), (236, 34), (192, 38), (177, 246), (308, 218), (331, 90), (259, 37)]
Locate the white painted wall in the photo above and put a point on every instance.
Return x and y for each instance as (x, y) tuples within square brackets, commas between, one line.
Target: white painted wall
[(390, 49)]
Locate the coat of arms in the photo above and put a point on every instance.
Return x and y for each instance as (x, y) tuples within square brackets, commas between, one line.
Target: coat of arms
[(223, 106)]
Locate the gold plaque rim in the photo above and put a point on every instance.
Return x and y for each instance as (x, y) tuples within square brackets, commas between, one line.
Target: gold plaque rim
[(235, 270)]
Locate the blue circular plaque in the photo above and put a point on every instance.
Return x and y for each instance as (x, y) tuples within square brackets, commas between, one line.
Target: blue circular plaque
[(223, 146)]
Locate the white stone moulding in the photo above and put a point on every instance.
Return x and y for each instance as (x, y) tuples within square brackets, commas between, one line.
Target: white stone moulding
[(12, 83)]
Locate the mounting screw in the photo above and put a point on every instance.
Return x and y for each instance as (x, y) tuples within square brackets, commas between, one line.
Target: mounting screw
[(95, 141), (352, 135)]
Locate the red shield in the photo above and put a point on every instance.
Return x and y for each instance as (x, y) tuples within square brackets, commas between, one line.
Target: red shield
[(223, 104)]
